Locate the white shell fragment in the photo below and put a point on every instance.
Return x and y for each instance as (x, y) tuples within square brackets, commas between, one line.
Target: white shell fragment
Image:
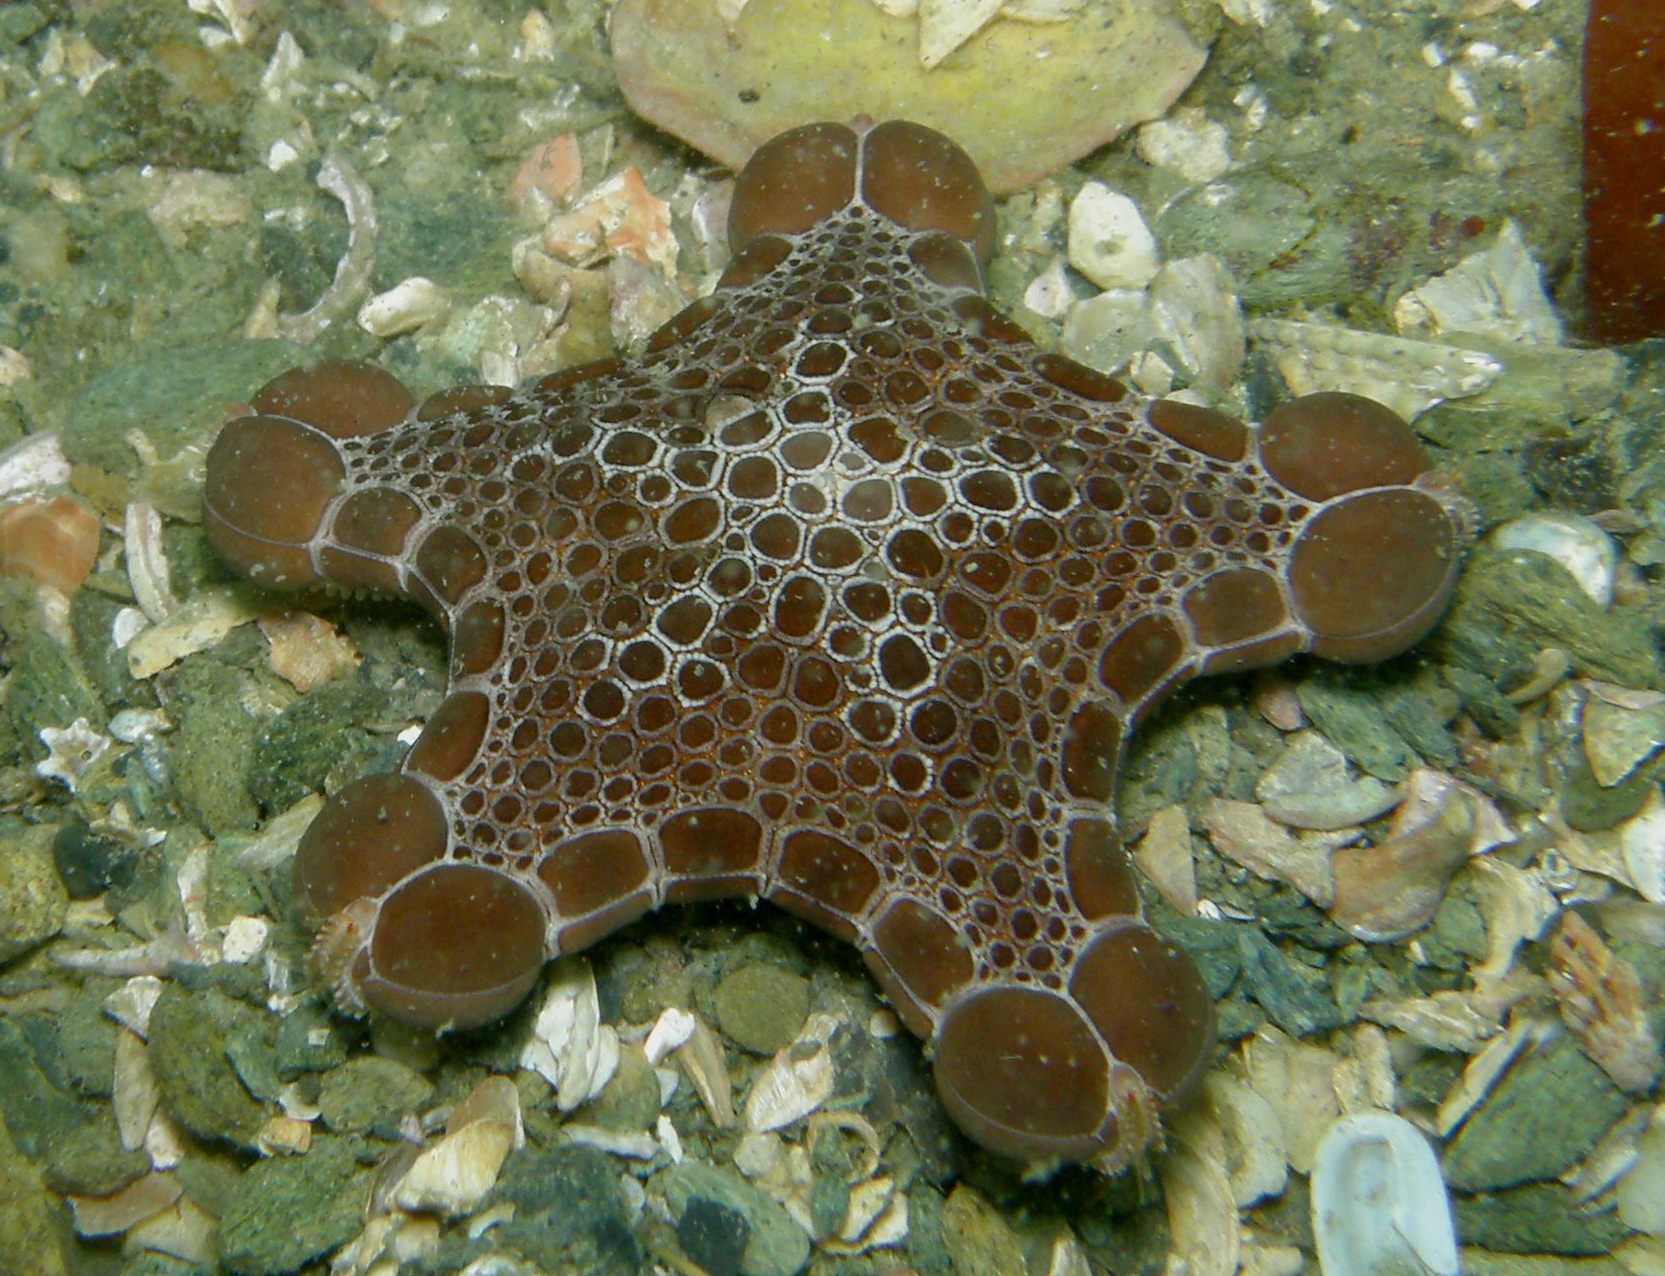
[(1309, 787), (570, 1047), (1187, 142), (798, 1080), (1497, 292), (408, 306), (29, 467), (1642, 844), (1049, 293), (1109, 242), (1407, 376), (1379, 1206), (1588, 553), (453, 1175), (1164, 855), (71, 752), (1641, 1192)]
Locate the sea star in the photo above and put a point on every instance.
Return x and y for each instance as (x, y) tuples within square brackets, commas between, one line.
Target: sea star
[(845, 596)]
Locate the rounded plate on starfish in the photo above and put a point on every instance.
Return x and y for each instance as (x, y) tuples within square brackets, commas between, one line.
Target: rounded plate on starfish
[(845, 596)]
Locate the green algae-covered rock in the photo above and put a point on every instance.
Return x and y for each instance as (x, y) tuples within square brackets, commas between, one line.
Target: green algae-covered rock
[(761, 1007), (172, 397), (190, 1036), (33, 902), (720, 1218), (1511, 604), (365, 1091), (288, 1211), (1547, 1112)]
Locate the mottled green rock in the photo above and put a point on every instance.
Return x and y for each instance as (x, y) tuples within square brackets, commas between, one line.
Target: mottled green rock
[(761, 1007), (630, 1100), (1588, 805), (318, 738), (84, 1045), (1542, 1218), (91, 1161), (1351, 716), (33, 901), (200, 1087), (771, 1244), (47, 688), (979, 1240), (31, 1231), (1510, 604), (213, 747), (1547, 1112), (570, 1214), (37, 1113), (1299, 1005), (172, 397), (308, 1041), (290, 1210), (368, 1090)]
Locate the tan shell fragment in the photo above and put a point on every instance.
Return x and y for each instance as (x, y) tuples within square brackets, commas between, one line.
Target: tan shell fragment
[(1252, 1137), (453, 1175), (114, 1214), (797, 1081), (1296, 1079), (1641, 1192), (1202, 1214), (725, 88), (306, 650), (1164, 856), (1392, 889), (1244, 834)]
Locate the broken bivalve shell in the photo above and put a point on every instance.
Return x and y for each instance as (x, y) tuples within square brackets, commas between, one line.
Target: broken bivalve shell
[(1379, 1205), (570, 1047), (1589, 554), (797, 1081), (453, 1175)]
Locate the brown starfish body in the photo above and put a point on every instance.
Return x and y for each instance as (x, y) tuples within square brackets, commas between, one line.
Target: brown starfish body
[(846, 597)]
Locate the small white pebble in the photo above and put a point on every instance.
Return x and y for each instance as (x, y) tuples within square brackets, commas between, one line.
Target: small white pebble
[(244, 937), (1108, 239), (417, 302)]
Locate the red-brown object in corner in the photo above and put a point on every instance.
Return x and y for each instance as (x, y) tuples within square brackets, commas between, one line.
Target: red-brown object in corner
[(1624, 170)]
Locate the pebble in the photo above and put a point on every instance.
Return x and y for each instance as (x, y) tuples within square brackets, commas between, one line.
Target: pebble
[(730, 1222), (370, 1090), (201, 1089), (1109, 241), (979, 1241), (33, 901), (289, 1210), (762, 1007), (1547, 1111)]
